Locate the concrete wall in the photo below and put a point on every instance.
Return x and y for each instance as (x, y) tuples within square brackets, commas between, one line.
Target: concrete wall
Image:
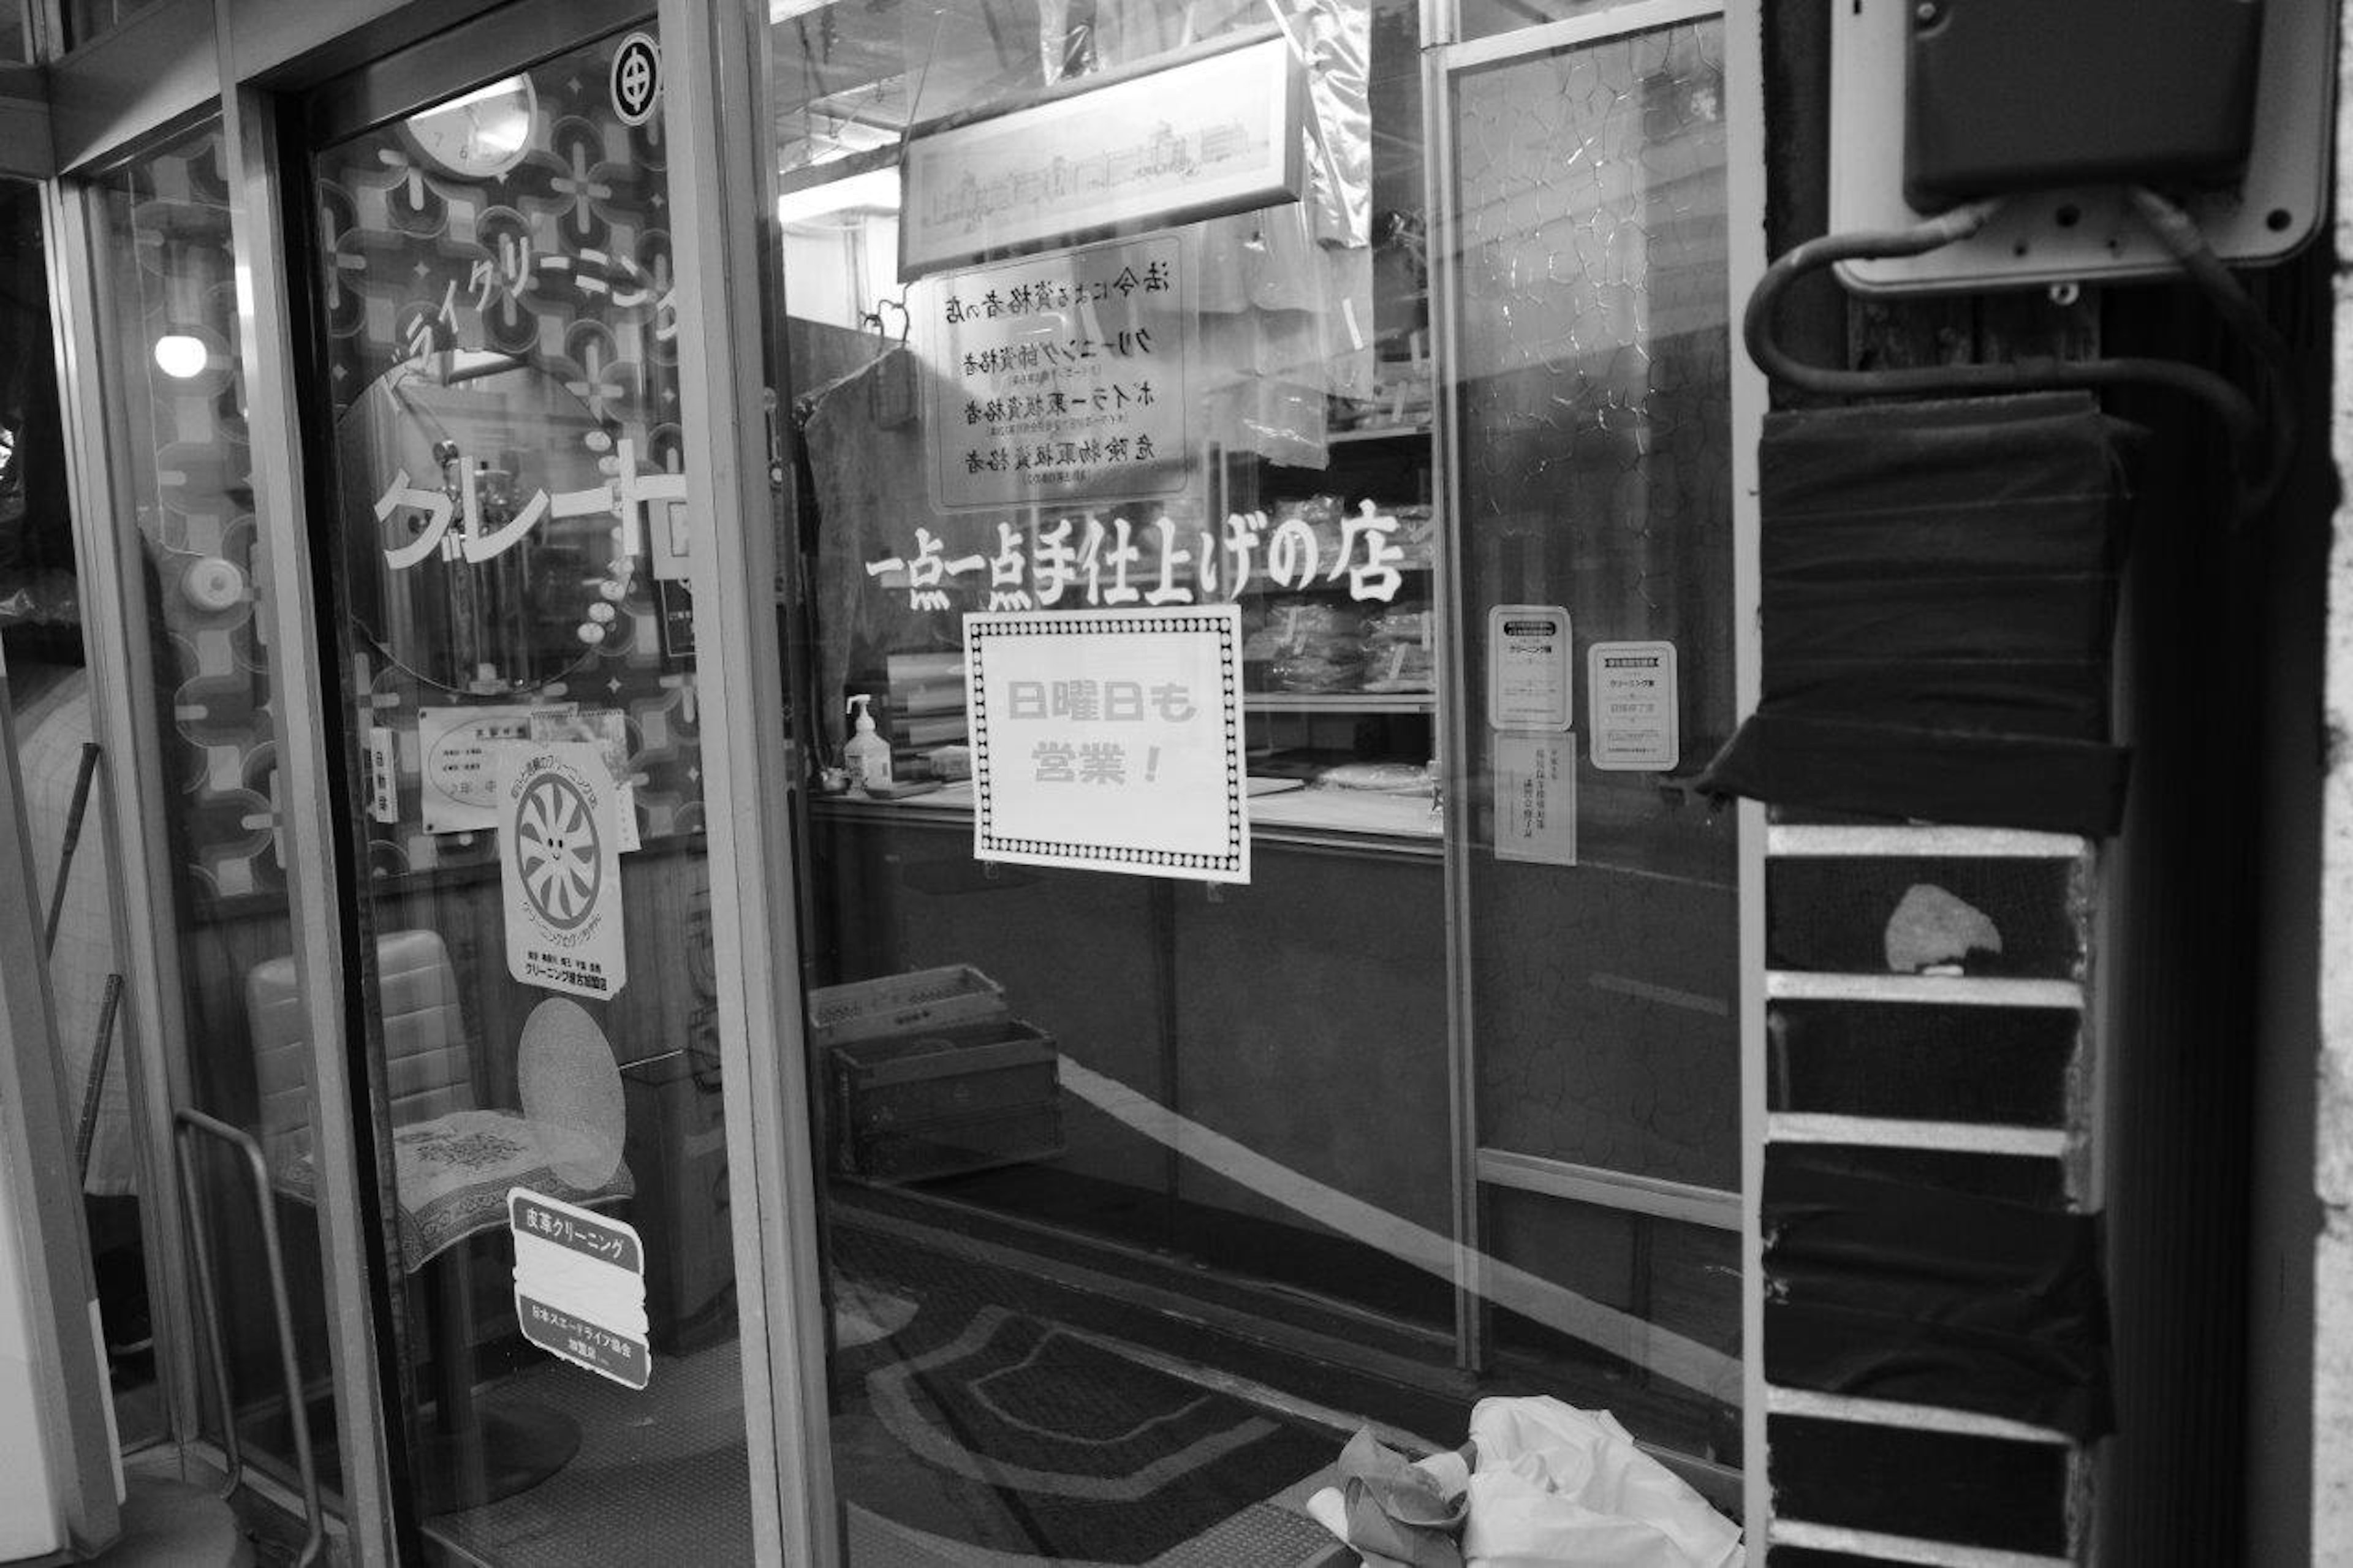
[(2331, 1267)]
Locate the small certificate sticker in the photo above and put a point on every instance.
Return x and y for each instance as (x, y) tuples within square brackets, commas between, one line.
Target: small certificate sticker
[(1630, 705), (1528, 679)]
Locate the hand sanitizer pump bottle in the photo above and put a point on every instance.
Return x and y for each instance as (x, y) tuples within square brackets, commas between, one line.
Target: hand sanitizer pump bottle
[(867, 753)]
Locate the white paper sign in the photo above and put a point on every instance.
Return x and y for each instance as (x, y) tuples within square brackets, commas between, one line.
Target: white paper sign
[(1528, 685), (1063, 378), (605, 729), (580, 1286), (1535, 798), (1110, 739), (459, 753), (384, 775), (560, 863), (1631, 704)]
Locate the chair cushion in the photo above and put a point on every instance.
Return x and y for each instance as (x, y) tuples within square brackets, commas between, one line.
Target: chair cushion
[(452, 1173)]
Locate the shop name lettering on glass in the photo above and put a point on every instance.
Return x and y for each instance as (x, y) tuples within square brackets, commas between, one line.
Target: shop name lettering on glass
[(624, 497), (1060, 760), (1106, 565)]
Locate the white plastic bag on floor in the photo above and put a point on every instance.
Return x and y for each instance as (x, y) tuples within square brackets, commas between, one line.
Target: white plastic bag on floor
[(1558, 1487)]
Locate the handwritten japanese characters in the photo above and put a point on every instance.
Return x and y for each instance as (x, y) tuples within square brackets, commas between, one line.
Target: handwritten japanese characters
[(1063, 377), (1110, 739)]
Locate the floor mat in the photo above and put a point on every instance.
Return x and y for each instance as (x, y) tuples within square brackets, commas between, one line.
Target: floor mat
[(992, 1427), (661, 1476), (975, 1427)]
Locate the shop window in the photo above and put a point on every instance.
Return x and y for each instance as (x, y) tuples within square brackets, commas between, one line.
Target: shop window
[(1141, 1144), (498, 369)]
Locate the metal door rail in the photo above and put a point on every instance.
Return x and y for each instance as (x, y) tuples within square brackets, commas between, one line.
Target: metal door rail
[(183, 1122)]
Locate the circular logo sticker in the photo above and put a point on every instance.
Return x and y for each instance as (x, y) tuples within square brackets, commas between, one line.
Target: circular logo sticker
[(557, 851), (636, 79)]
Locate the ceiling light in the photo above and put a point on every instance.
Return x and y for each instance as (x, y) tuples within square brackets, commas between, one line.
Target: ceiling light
[(182, 357)]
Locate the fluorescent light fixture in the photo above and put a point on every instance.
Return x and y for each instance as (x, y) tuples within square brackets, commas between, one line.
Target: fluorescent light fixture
[(181, 357), (876, 190)]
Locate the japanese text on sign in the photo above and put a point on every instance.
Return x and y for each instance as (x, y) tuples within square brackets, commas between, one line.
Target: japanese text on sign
[(1109, 740), (580, 1287), (1535, 797), (483, 535), (589, 1235), (559, 855), (1088, 561), (1063, 377), (1632, 700)]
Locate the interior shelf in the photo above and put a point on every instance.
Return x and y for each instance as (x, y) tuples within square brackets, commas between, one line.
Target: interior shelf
[(1340, 702)]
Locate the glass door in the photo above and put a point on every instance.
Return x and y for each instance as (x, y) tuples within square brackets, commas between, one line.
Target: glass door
[(1262, 585), (507, 530), (1584, 268)]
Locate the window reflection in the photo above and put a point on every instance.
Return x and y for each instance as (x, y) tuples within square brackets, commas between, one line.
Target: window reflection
[(179, 445), (1181, 1176)]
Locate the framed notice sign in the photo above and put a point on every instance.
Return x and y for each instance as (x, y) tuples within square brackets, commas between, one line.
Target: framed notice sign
[(1110, 740), (1062, 379), (1215, 131)]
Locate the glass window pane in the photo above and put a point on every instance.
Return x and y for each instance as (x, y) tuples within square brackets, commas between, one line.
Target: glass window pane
[(510, 553), (48, 688), (86, 19), (178, 449), (1597, 476), (1145, 1178)]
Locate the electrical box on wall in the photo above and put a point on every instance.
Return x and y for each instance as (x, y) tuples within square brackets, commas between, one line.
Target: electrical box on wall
[(2054, 105), (2022, 95)]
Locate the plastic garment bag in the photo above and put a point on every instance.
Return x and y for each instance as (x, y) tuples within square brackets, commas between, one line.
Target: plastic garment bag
[(1546, 1486), (1556, 1486)]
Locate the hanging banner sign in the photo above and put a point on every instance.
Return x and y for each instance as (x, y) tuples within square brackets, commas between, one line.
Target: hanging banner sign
[(1110, 740), (1062, 378), (580, 1286), (1215, 131), (560, 860), (1631, 704)]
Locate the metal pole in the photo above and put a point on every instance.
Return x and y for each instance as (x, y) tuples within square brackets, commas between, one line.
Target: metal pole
[(189, 1121)]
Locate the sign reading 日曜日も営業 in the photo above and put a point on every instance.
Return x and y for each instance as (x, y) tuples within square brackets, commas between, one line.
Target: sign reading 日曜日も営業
[(1110, 740)]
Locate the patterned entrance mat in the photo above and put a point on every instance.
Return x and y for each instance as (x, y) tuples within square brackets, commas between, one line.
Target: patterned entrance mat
[(1008, 1433)]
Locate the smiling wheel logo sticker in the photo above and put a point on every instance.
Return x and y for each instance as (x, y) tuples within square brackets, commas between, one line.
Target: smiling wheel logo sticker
[(557, 851)]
